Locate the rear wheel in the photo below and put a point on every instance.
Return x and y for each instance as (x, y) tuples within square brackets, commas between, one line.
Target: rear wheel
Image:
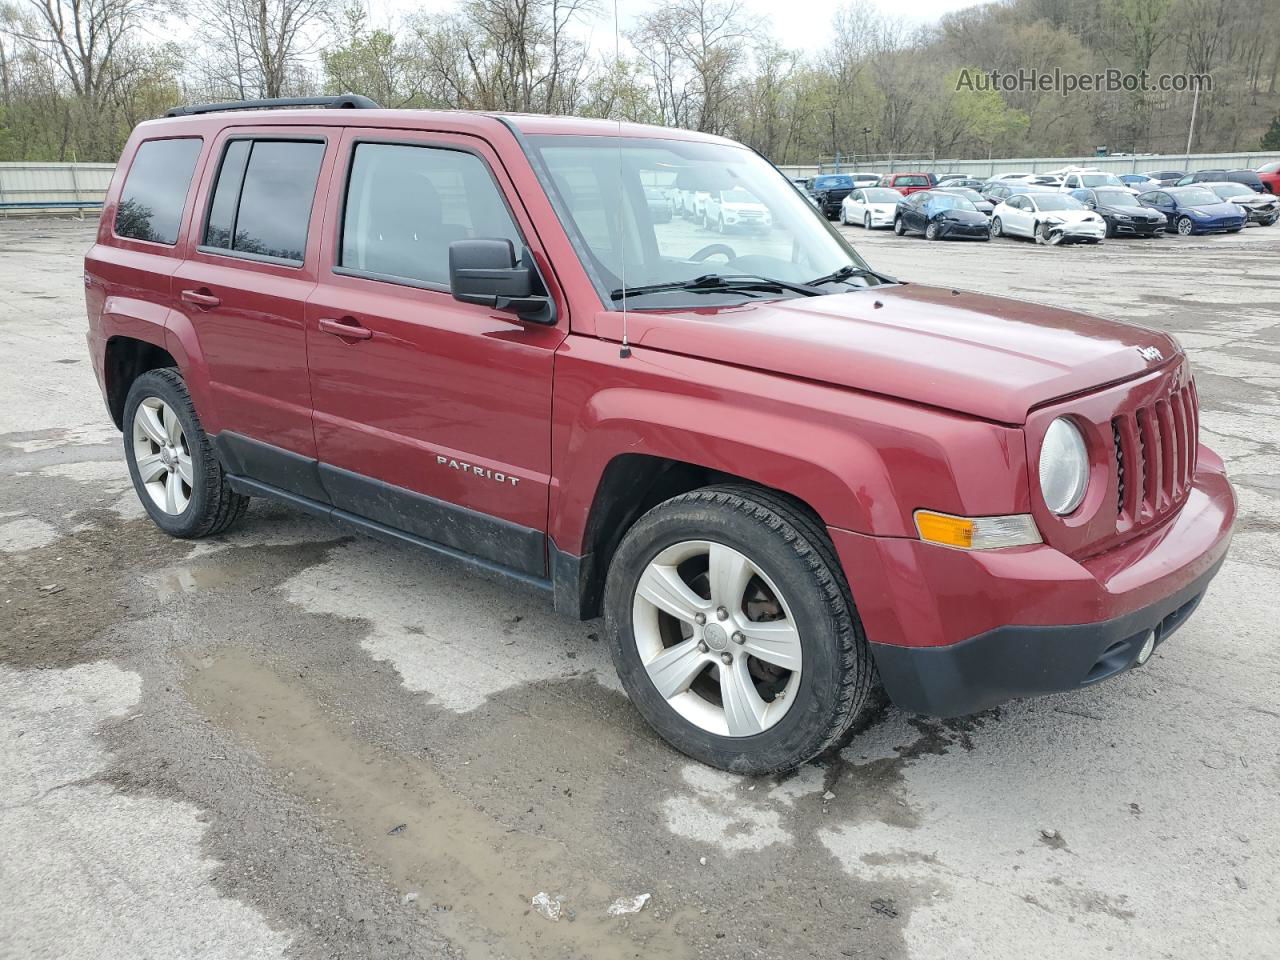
[(175, 472), (733, 630)]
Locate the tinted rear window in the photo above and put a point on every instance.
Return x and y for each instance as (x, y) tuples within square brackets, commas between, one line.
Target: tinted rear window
[(262, 203), (155, 190)]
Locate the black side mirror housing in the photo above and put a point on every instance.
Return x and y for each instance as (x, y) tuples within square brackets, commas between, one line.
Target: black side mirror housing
[(486, 272)]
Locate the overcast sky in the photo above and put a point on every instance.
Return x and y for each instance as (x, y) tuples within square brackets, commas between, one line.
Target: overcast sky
[(798, 24)]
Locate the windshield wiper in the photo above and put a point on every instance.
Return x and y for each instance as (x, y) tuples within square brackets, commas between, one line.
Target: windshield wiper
[(715, 283), (844, 273)]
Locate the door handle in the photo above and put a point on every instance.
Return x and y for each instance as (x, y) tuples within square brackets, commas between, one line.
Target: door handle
[(200, 298), (348, 328)]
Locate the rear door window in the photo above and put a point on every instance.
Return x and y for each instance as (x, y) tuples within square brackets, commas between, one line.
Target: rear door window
[(262, 201), (155, 190)]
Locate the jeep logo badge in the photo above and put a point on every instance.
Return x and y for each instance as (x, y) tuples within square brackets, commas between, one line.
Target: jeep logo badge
[(1150, 354)]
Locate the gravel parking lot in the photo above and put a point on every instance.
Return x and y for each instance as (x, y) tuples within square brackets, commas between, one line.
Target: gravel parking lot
[(288, 742)]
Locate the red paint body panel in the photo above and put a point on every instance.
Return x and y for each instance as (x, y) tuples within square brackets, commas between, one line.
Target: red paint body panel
[(866, 405), (915, 594)]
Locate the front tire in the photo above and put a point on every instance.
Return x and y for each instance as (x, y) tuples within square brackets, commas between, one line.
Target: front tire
[(899, 228), (175, 471), (997, 228), (733, 630), (866, 221), (1185, 227), (932, 232)]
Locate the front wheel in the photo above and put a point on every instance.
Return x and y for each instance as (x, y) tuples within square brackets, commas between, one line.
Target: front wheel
[(899, 228), (1185, 226), (174, 469), (866, 221), (932, 232), (997, 228), (733, 630)]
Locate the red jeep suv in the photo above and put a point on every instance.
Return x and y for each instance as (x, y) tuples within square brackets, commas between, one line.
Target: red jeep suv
[(780, 475)]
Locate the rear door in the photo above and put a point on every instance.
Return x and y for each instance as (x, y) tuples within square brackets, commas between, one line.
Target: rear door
[(431, 416), (250, 266)]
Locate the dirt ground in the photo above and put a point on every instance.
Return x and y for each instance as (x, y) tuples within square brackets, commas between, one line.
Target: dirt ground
[(289, 742)]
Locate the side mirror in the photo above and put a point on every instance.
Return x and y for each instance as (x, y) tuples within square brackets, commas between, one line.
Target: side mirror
[(486, 272)]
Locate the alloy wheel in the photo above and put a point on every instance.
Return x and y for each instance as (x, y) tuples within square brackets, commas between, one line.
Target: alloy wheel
[(716, 638), (162, 456)]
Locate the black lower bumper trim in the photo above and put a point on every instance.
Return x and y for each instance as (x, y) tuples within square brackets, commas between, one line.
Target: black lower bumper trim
[(1023, 661)]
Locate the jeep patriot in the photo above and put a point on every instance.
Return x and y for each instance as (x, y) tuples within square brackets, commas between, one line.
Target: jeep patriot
[(779, 475)]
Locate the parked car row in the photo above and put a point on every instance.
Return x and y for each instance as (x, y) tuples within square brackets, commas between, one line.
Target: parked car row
[(1067, 206)]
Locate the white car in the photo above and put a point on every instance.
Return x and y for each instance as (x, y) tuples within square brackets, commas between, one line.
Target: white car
[(1051, 218), (870, 206), (1092, 180), (736, 209)]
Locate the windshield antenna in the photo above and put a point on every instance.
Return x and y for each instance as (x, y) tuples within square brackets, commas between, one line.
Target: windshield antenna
[(625, 350)]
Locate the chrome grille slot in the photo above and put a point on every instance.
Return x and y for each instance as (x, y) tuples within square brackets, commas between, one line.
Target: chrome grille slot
[(1155, 452)]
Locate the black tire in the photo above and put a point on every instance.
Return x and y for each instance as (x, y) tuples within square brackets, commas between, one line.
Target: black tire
[(213, 505), (997, 228), (780, 536), (899, 228), (1108, 230), (1184, 226), (866, 221), (933, 232)]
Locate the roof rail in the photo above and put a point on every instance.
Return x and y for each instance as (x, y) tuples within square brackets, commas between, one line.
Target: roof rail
[(349, 101)]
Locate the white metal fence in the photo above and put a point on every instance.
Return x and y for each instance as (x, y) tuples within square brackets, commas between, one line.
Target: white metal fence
[(49, 187), (981, 169)]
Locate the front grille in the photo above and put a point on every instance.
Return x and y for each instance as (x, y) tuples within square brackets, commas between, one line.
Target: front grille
[(1155, 450)]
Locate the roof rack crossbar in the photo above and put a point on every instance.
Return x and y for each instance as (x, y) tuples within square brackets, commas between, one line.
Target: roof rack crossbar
[(347, 101)]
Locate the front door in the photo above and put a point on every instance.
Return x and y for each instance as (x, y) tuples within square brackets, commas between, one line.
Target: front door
[(431, 416)]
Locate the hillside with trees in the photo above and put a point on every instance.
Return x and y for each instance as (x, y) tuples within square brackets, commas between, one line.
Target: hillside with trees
[(76, 75)]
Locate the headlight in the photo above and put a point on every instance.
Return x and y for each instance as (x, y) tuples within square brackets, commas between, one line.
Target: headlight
[(1121, 216), (1064, 467)]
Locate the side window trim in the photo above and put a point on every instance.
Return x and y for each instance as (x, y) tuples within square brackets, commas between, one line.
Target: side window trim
[(253, 138), (341, 223)]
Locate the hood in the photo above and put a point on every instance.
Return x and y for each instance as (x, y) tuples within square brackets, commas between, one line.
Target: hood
[(1070, 216), (960, 215), (1137, 210), (984, 356)]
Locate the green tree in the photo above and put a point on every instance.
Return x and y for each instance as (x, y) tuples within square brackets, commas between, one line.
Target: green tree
[(985, 116), (1271, 139)]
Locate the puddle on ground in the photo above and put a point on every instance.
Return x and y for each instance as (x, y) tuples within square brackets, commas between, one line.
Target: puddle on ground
[(195, 579), (471, 873)]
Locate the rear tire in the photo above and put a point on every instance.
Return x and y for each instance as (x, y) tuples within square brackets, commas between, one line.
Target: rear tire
[(793, 582), (180, 481)]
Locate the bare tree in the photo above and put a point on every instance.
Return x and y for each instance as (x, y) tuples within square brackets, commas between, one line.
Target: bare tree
[(260, 48)]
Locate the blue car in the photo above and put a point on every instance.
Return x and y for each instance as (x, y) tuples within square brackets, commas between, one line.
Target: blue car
[(1139, 181), (1189, 210)]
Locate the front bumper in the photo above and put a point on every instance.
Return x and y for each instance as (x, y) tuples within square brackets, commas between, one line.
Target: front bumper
[(1081, 230), (1137, 228), (980, 231), (954, 632)]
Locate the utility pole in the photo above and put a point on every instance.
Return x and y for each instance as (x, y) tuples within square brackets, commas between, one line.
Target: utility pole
[(1191, 130), (866, 142)]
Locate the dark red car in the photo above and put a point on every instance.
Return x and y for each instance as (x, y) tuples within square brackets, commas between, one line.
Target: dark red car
[(1269, 174), (906, 183), (780, 475)]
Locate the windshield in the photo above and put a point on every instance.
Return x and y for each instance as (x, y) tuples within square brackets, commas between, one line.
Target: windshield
[(1117, 198), (1057, 201), (947, 201), (882, 195), (1225, 190), (833, 183), (594, 183), (1197, 195), (912, 181), (1101, 179)]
